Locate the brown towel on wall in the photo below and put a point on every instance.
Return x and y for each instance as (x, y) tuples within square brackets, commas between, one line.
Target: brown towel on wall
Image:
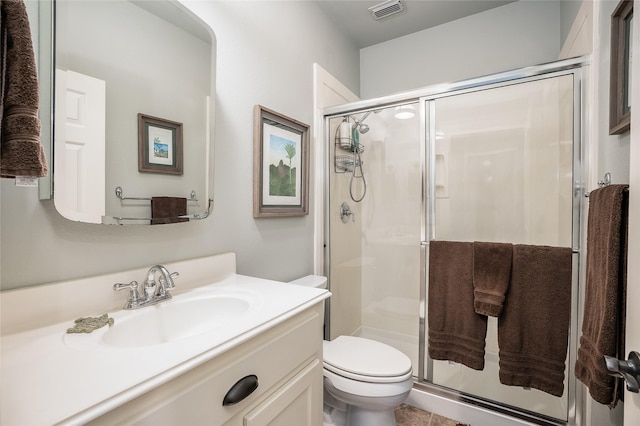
[(533, 330), (20, 151), (456, 332), (491, 276), (167, 210), (605, 293)]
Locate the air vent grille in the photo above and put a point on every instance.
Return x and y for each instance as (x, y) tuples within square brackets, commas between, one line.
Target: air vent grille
[(386, 9)]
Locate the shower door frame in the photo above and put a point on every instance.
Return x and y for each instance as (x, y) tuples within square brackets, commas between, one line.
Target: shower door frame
[(426, 97)]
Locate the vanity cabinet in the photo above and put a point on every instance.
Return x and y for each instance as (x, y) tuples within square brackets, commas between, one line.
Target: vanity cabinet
[(286, 359)]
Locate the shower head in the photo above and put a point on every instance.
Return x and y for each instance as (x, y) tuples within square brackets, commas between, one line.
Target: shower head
[(359, 124)]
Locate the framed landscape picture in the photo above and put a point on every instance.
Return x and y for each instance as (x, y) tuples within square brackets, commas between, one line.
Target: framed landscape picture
[(280, 165), (159, 145)]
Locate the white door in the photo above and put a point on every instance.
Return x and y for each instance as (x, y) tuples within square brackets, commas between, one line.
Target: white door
[(632, 343), (79, 154)]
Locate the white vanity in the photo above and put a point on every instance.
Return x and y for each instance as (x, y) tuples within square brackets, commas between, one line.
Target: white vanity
[(170, 363)]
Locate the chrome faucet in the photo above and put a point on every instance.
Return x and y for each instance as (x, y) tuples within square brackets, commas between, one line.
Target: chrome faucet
[(154, 292)]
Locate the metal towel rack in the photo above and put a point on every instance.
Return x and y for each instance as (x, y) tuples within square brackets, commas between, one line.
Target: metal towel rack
[(194, 216), (119, 192), (192, 197), (606, 181)]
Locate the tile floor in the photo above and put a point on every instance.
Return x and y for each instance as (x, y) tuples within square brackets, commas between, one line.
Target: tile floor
[(407, 415)]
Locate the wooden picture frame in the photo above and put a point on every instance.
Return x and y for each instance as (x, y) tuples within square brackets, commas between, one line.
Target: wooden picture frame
[(620, 83), (159, 145), (280, 165)]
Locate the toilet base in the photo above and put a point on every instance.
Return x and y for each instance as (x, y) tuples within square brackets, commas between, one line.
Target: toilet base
[(360, 411), (355, 416)]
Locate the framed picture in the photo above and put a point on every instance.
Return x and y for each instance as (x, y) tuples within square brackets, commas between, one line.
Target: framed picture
[(280, 165), (620, 85), (159, 145)]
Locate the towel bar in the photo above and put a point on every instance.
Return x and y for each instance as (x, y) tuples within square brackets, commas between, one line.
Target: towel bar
[(194, 216), (192, 196)]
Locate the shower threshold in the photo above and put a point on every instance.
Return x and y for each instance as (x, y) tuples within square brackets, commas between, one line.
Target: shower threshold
[(472, 410)]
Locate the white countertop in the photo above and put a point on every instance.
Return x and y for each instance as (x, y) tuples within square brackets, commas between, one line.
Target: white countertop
[(50, 377)]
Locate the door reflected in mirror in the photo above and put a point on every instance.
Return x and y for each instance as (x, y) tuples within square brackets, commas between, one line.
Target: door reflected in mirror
[(116, 60)]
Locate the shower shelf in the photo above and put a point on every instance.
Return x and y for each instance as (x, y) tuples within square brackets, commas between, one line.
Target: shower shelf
[(346, 163)]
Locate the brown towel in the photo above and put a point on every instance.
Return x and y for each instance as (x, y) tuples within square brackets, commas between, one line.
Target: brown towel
[(491, 276), (168, 209), (605, 292), (20, 151), (533, 330), (456, 332)]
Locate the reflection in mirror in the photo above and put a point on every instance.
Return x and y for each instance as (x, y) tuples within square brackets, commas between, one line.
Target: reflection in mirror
[(116, 61)]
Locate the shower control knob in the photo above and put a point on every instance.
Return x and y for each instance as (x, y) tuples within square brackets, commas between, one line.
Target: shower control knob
[(345, 212)]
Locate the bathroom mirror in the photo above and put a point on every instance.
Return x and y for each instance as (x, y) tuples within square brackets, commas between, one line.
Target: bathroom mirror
[(133, 84)]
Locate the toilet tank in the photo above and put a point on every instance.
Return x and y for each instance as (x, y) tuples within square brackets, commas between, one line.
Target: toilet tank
[(317, 281)]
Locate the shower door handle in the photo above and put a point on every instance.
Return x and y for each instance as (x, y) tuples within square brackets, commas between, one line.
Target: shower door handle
[(629, 370)]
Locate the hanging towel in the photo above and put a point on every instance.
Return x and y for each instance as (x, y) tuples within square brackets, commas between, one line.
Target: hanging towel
[(491, 276), (20, 151), (456, 332), (167, 210), (605, 293), (533, 330)]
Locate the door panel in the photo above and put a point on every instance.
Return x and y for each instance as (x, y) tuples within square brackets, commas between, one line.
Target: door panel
[(79, 180)]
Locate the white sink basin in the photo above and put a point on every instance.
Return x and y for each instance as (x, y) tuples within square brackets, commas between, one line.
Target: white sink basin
[(178, 318)]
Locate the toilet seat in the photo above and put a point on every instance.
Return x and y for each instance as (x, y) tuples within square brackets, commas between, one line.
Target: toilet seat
[(350, 357)]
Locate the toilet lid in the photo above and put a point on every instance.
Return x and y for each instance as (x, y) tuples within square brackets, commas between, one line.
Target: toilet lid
[(365, 357)]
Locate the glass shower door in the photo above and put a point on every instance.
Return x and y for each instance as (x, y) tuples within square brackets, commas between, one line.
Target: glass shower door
[(503, 170), (375, 248)]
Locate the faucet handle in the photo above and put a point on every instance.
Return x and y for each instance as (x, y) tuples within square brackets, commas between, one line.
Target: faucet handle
[(134, 296)]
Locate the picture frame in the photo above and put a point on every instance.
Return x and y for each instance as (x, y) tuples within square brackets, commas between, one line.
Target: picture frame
[(620, 78), (280, 165), (159, 145)]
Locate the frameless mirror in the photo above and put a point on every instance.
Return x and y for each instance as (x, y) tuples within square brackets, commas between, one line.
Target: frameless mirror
[(133, 83)]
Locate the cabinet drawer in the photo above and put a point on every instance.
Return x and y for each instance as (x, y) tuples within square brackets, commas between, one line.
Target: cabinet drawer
[(297, 402), (195, 398)]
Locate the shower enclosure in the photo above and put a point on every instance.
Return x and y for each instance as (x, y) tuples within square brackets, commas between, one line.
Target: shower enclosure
[(492, 159)]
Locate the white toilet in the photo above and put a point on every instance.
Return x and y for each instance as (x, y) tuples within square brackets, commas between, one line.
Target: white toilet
[(364, 380)]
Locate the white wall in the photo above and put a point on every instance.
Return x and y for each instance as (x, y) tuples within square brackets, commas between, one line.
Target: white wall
[(265, 55), (515, 35), (613, 151)]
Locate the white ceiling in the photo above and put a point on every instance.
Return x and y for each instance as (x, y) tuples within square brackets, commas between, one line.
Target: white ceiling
[(356, 20)]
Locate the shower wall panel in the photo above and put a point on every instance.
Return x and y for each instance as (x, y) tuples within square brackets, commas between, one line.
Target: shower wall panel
[(346, 259)]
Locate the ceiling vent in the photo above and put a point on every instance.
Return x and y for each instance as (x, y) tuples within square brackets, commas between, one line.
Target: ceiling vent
[(386, 9)]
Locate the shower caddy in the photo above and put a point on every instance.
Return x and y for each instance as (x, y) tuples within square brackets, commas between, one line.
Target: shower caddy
[(347, 140)]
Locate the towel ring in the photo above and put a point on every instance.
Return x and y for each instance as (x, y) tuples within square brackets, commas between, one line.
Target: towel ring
[(606, 181)]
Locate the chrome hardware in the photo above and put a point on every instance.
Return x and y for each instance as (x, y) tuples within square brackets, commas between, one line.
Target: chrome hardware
[(134, 296), (154, 292), (628, 370), (606, 181), (120, 194), (345, 212)]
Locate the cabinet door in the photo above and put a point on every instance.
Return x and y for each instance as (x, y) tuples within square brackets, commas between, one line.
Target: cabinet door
[(297, 402)]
